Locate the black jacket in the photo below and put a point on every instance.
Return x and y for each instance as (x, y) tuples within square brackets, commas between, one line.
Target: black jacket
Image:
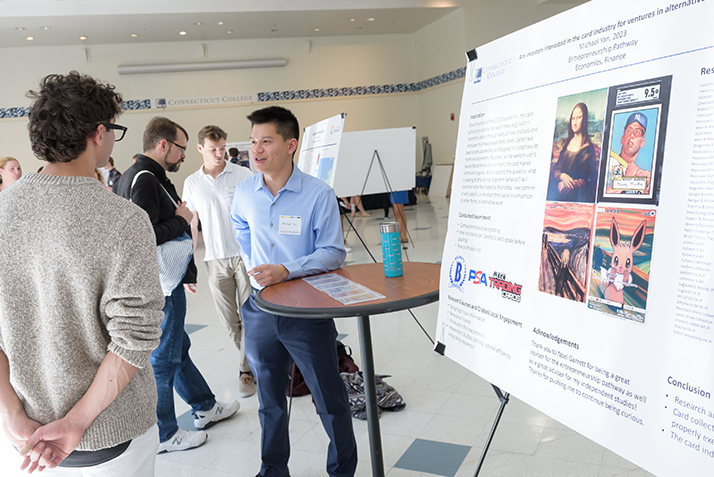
[(148, 194)]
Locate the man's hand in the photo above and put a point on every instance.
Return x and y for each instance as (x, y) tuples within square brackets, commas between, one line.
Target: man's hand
[(18, 429), (269, 274), (51, 444), (182, 210), (190, 288)]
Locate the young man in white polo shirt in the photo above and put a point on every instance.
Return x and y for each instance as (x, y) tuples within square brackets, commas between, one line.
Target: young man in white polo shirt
[(209, 194)]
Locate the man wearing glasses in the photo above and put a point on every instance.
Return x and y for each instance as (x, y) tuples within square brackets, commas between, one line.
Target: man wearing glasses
[(77, 328), (164, 150)]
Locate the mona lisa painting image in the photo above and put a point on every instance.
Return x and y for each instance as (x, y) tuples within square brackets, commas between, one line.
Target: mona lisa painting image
[(577, 147)]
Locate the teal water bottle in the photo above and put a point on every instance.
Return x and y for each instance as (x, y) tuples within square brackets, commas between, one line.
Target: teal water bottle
[(391, 249)]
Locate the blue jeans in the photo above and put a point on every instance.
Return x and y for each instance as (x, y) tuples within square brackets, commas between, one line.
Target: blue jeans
[(270, 342), (173, 368)]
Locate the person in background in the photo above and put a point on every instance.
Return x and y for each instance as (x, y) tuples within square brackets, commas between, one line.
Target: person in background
[(208, 192), (113, 174), (165, 144), (10, 172), (233, 155), (398, 199)]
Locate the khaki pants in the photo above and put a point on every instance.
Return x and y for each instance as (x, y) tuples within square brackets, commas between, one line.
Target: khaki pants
[(230, 287)]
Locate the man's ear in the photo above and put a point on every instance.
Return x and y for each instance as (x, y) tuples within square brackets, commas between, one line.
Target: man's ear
[(293, 145), (100, 134), (200, 148)]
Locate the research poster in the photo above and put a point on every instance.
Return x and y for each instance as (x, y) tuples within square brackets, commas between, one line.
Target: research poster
[(320, 145), (577, 270)]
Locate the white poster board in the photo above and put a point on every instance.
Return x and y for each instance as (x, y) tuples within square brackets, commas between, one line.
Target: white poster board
[(440, 180), (320, 145), (397, 150), (578, 268)]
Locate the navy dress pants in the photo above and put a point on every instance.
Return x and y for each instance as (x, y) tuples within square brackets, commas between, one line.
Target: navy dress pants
[(270, 342)]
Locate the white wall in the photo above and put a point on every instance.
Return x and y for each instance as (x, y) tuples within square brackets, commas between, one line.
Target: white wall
[(439, 48), (332, 62)]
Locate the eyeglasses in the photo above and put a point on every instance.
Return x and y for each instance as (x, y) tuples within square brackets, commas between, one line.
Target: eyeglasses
[(116, 127), (183, 148)]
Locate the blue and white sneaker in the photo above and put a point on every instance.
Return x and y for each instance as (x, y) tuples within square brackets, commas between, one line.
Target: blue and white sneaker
[(219, 411)]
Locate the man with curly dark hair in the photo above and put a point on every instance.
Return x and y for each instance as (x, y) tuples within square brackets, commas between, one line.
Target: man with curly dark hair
[(77, 328)]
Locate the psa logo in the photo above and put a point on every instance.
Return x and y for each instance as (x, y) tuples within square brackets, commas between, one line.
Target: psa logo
[(457, 273)]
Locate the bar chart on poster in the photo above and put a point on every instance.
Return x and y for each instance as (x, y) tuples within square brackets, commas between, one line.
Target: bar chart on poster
[(577, 270)]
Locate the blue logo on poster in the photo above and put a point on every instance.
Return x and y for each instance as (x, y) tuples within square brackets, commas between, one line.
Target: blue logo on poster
[(161, 103), (457, 273)]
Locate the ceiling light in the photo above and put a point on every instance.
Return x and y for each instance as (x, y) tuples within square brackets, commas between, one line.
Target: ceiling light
[(29, 38), (229, 31), (82, 37), (317, 29), (45, 28), (222, 65), (352, 19), (197, 23), (134, 35), (370, 19), (182, 33), (19, 28), (219, 23)]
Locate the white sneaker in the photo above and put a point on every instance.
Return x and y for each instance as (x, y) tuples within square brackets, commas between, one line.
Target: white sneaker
[(219, 411), (246, 384), (182, 440)]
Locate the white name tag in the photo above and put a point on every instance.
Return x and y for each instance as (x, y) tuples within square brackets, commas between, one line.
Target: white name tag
[(289, 225)]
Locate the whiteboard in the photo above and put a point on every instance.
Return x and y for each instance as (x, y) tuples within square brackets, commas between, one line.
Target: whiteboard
[(397, 150)]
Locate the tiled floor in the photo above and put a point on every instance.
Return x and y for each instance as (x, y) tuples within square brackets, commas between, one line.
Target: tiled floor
[(449, 409)]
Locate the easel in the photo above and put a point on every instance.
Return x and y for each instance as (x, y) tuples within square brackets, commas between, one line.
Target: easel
[(504, 398), (389, 191), (352, 227)]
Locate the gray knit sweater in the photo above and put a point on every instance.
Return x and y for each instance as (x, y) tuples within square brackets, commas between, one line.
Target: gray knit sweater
[(78, 278)]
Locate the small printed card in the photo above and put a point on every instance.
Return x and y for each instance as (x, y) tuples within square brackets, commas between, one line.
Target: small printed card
[(341, 289)]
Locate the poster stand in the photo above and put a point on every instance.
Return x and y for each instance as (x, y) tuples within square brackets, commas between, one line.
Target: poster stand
[(389, 191), (504, 398), (352, 227)]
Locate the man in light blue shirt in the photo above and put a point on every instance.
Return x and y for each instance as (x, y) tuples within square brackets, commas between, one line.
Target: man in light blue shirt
[(288, 226)]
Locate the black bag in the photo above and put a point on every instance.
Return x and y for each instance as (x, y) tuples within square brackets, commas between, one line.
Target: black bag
[(345, 362)]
